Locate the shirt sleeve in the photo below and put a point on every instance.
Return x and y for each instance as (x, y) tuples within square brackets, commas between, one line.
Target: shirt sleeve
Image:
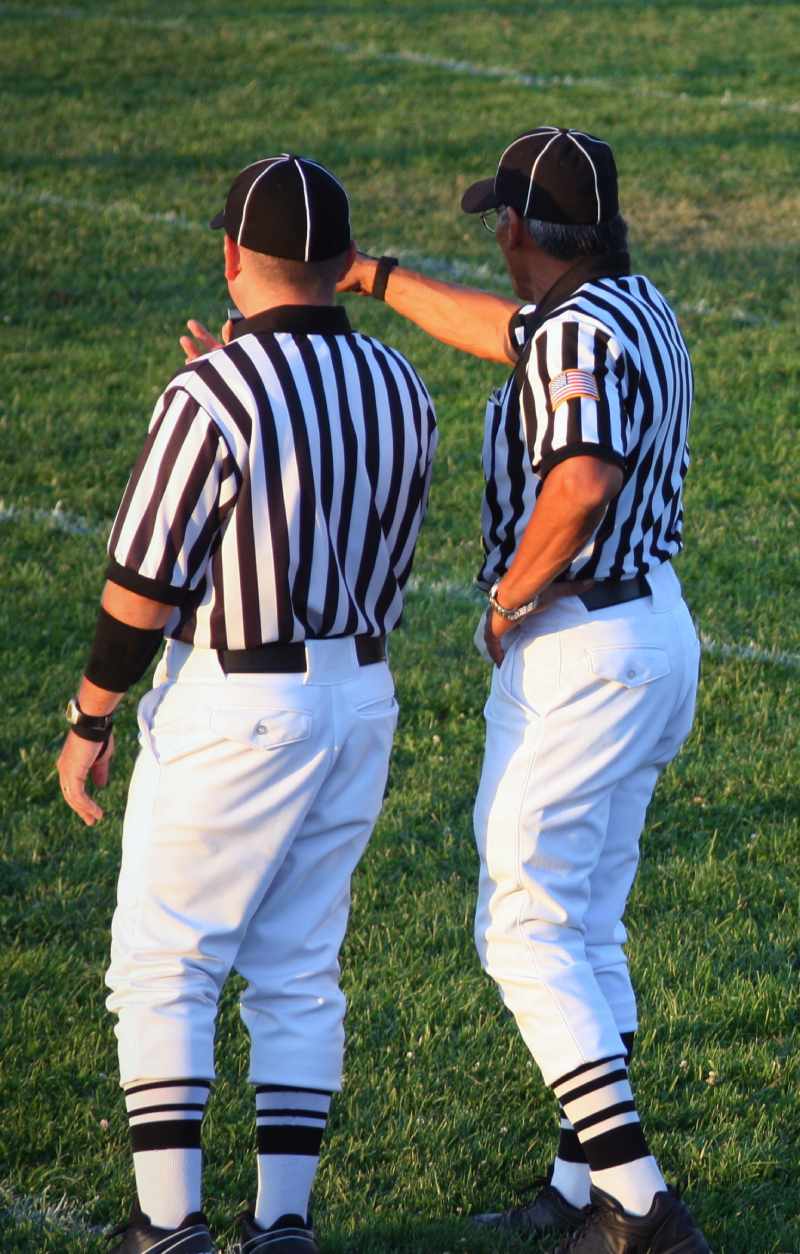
[(520, 326), (182, 488), (572, 401)]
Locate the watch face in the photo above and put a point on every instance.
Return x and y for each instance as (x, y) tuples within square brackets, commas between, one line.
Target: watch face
[(73, 713)]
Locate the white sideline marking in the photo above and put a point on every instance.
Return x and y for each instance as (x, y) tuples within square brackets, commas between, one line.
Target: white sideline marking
[(450, 65), (480, 271), (124, 208), (507, 74), (56, 518), (61, 1215), (453, 589)]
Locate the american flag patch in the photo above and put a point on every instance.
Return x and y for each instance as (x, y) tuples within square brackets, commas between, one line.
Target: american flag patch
[(573, 383)]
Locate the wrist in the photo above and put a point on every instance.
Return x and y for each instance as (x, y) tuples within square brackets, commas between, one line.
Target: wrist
[(512, 613), (87, 726), (380, 276)]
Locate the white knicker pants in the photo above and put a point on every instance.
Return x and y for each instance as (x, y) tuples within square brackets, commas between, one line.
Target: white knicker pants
[(251, 802), (585, 711)]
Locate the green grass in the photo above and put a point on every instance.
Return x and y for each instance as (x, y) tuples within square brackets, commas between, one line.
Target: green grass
[(118, 111)]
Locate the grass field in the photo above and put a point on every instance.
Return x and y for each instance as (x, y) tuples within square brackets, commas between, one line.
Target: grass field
[(123, 125)]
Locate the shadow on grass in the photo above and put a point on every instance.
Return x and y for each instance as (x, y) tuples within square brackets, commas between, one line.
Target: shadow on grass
[(429, 1237)]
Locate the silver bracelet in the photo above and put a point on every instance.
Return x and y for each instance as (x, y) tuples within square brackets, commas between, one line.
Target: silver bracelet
[(512, 616)]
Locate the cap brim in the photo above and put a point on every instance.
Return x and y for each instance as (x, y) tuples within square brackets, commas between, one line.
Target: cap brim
[(479, 197), (218, 221)]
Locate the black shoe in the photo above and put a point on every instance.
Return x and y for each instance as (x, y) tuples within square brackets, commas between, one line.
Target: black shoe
[(548, 1212), (288, 1235), (667, 1228), (139, 1235)]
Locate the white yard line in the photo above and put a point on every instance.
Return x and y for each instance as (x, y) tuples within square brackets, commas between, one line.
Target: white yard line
[(74, 524), (61, 1216), (448, 65), (461, 271), (504, 73)]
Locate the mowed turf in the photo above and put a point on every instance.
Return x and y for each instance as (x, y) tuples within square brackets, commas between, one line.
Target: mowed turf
[(123, 125)]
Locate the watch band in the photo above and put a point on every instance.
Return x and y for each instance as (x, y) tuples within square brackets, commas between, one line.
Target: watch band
[(382, 271), (512, 616), (81, 723)]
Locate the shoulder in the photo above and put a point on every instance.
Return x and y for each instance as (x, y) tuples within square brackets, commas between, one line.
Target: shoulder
[(387, 357)]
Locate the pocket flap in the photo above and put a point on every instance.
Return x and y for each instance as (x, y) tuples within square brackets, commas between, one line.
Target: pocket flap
[(263, 729), (631, 667)]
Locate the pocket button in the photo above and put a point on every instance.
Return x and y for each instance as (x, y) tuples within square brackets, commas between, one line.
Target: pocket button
[(262, 729)]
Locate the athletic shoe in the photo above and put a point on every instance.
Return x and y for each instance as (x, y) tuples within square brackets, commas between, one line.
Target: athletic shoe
[(139, 1235), (667, 1228), (288, 1235), (548, 1212)]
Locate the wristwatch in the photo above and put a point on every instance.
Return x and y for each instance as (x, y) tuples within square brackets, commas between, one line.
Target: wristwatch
[(88, 726), (512, 616)]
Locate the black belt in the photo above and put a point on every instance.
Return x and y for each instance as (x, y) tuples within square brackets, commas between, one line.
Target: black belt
[(614, 592), (289, 659)]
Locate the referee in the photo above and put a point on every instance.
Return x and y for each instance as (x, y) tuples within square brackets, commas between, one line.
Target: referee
[(596, 658), (267, 531)]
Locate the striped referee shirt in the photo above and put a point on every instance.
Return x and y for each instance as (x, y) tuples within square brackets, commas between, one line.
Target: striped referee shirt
[(607, 374), (282, 485)]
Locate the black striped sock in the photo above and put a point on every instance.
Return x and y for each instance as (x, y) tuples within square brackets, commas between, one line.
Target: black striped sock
[(165, 1118), (166, 1114), (569, 1147), (599, 1104), (290, 1122)]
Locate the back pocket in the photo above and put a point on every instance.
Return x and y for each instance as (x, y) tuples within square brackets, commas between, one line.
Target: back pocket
[(631, 667), (268, 729)]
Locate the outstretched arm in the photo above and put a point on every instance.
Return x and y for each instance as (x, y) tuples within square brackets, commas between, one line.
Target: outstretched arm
[(464, 317)]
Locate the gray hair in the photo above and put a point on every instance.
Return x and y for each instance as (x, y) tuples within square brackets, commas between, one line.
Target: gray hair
[(566, 243)]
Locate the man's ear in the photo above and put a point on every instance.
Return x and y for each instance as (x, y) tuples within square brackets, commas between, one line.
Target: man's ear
[(233, 259), (514, 226), (349, 258)]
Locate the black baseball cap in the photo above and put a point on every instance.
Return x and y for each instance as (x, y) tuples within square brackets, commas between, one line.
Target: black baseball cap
[(287, 206), (554, 175)]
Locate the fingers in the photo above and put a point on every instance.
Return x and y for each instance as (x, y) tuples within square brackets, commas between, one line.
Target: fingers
[(190, 349), (205, 340), (77, 760), (102, 767), (77, 798), (493, 643)]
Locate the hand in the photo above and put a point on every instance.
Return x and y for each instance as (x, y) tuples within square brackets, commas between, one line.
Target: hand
[(78, 761), (205, 340), (496, 626), (360, 276)]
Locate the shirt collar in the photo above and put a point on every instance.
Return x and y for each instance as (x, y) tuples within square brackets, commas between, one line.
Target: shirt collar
[(297, 319)]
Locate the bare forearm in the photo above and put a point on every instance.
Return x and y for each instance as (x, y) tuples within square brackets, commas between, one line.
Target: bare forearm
[(463, 317), (466, 318), (571, 506), (554, 537)]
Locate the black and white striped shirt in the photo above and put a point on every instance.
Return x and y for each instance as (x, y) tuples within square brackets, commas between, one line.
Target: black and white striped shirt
[(607, 374), (282, 485)]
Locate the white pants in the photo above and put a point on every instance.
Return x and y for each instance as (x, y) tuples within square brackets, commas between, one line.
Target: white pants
[(584, 713), (251, 802)]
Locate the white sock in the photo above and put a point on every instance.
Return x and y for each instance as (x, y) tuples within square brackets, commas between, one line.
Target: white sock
[(570, 1173), (165, 1117), (290, 1123), (572, 1181), (634, 1184)]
